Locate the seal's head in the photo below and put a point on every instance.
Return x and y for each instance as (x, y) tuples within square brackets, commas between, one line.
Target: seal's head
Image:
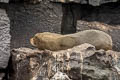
[(52, 41)]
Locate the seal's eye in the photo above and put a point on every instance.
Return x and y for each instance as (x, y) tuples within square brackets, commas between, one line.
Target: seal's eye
[(33, 41)]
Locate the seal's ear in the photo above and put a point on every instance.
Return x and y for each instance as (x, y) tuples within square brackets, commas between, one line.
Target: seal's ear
[(32, 41)]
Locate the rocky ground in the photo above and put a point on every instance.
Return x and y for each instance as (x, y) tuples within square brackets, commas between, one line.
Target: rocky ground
[(82, 62)]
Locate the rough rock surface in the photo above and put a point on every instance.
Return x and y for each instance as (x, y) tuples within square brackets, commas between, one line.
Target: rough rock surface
[(60, 76), (29, 19), (4, 42), (5, 1), (4, 39), (91, 2), (82, 62)]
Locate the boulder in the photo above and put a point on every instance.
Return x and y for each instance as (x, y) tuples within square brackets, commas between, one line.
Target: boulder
[(31, 19), (91, 2), (4, 39), (80, 62), (4, 42), (60, 76), (4, 1)]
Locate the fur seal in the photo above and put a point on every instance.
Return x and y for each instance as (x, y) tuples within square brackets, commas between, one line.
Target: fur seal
[(54, 42)]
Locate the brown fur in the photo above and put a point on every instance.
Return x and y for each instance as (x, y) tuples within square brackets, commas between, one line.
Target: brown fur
[(53, 41)]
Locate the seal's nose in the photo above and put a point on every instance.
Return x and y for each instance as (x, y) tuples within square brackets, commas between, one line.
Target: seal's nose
[(32, 41)]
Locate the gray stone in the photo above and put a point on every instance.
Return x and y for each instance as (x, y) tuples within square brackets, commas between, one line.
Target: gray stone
[(5, 1), (82, 62), (29, 19), (28, 66), (60, 76), (98, 2), (91, 2), (4, 39)]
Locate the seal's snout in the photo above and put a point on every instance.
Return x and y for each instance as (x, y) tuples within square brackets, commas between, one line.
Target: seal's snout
[(32, 41)]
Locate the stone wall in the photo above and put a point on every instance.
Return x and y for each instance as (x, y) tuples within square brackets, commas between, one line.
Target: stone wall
[(4, 41), (91, 2), (28, 19)]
